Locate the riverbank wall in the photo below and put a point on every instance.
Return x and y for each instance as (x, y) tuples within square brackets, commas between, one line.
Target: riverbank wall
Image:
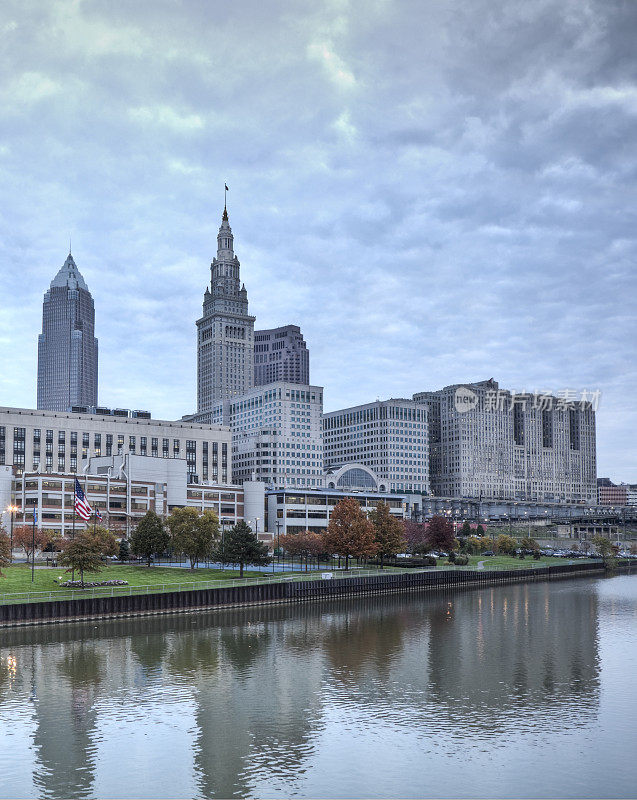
[(286, 591)]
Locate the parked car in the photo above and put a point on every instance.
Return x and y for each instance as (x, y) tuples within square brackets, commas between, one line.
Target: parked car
[(488, 553)]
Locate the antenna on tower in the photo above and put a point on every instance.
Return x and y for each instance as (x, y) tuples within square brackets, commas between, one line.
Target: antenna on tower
[(69, 244)]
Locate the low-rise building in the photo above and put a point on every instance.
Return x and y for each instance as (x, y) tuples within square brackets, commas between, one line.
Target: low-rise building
[(62, 441), (122, 489)]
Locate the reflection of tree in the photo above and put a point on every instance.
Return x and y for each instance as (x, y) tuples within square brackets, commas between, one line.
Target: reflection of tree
[(243, 646), (353, 641), (149, 650), (194, 652)]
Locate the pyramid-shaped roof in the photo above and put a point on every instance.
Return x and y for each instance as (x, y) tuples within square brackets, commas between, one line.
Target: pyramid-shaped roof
[(69, 275)]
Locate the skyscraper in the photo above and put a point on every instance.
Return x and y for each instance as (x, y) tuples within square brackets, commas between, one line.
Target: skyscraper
[(225, 332), (67, 347), (280, 354)]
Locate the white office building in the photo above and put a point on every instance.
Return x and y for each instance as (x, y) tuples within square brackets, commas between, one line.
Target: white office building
[(62, 442), (485, 442), (276, 434), (389, 436)]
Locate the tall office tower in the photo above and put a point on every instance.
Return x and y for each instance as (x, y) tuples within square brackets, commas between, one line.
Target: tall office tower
[(225, 332), (388, 436), (276, 434), (67, 347), (485, 442), (280, 354)]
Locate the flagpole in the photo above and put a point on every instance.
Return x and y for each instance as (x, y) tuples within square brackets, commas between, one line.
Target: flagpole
[(73, 529), (33, 547)]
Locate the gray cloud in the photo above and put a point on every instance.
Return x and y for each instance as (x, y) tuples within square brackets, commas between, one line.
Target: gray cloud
[(435, 191)]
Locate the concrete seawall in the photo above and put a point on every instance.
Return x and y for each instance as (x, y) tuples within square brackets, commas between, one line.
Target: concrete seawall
[(85, 608)]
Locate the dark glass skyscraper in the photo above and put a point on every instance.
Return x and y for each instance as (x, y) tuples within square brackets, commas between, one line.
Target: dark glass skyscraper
[(67, 347)]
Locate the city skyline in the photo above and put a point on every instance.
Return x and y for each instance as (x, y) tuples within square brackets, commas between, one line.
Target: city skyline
[(473, 232)]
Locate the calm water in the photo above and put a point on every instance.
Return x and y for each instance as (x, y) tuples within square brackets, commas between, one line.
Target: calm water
[(522, 691)]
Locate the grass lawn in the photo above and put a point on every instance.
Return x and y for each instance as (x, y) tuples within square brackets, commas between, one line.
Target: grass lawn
[(514, 562), (18, 578)]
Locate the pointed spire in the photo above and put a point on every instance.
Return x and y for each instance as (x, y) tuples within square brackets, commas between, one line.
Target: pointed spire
[(69, 275)]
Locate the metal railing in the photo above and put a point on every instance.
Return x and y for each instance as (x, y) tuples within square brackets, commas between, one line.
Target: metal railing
[(161, 588)]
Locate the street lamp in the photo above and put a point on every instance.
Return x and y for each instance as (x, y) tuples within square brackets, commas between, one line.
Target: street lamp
[(12, 510)]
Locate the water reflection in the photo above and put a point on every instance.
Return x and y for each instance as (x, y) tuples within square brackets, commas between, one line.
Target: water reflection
[(253, 693)]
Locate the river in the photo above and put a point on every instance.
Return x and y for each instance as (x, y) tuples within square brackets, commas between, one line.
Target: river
[(516, 691)]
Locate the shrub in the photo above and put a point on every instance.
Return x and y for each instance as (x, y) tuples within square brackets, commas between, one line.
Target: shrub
[(536, 555), (462, 559)]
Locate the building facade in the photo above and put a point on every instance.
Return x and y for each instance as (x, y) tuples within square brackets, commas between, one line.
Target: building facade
[(294, 510), (122, 496), (62, 442), (67, 347), (276, 434), (485, 442), (280, 354), (389, 436), (225, 331), (610, 494)]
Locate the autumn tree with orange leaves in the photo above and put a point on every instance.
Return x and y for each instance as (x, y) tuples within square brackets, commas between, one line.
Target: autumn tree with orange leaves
[(350, 533), (304, 544)]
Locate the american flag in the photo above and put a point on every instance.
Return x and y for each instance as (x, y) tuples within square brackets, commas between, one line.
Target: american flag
[(82, 507), (98, 515)]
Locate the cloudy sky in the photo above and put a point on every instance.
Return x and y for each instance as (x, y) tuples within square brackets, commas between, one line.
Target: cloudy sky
[(437, 191)]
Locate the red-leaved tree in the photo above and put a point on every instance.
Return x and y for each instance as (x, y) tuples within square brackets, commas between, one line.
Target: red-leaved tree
[(349, 532), (440, 534), (304, 544), (416, 536), (24, 537)]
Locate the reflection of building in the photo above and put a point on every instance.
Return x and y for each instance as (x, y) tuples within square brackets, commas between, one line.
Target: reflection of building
[(276, 434), (67, 347), (260, 690), (390, 436), (489, 443), (280, 354)]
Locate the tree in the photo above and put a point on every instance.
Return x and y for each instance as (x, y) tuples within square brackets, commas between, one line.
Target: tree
[(466, 529), (440, 534), (194, 534), (5, 549), (506, 544), (105, 540), (349, 532), (476, 544), (241, 546), (150, 536), (607, 550), (124, 550), (389, 533), (416, 536), (82, 553), (480, 530), (23, 536), (304, 544), (529, 544)]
